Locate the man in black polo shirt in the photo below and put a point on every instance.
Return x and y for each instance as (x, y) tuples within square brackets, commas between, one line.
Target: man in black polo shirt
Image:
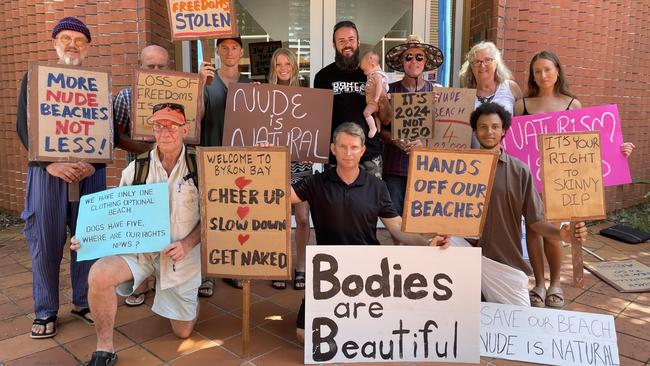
[(346, 201)]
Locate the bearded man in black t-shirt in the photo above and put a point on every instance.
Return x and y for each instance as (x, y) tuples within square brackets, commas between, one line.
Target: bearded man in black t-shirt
[(347, 80)]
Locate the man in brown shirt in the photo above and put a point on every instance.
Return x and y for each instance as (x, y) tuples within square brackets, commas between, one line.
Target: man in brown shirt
[(513, 196)]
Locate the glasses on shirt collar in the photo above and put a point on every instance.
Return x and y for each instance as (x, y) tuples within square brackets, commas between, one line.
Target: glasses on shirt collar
[(174, 106), (418, 57)]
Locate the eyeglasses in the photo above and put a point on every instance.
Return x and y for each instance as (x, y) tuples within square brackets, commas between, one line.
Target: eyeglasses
[(418, 57), (488, 61), (171, 128), (174, 106), (79, 42)]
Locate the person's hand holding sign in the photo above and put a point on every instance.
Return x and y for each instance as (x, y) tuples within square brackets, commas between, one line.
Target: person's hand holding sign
[(68, 172), (177, 250), (206, 70), (580, 232), (74, 244), (86, 169), (439, 241), (627, 148)]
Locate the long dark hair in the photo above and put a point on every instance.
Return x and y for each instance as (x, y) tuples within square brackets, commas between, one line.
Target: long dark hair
[(561, 85)]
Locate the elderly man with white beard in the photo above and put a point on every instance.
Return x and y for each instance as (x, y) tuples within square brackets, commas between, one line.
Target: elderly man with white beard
[(47, 212)]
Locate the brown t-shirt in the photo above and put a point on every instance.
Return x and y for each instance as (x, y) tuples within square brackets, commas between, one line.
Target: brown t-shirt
[(513, 195)]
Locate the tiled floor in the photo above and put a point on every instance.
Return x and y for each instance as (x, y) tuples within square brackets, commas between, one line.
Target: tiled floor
[(143, 338)]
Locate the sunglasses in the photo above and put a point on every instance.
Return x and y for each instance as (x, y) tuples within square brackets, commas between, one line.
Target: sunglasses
[(418, 57), (174, 106)]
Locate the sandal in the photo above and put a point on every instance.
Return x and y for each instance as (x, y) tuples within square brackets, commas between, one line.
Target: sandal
[(558, 294), (136, 299), (238, 284), (44, 323), (537, 296), (298, 280), (207, 288), (279, 285), (102, 358), (82, 315)]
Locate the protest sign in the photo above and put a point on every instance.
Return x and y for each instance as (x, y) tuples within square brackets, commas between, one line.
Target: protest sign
[(572, 176), (625, 276), (398, 304), (298, 118), (245, 210), (521, 139), (151, 87), (189, 19), (69, 114), (547, 336), (447, 192), (260, 55), (129, 219), (412, 115), (452, 108)]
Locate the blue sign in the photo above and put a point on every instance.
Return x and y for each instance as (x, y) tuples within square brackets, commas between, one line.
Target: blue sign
[(129, 219)]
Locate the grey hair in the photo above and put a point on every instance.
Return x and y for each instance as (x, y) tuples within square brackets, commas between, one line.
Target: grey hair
[(501, 74), (352, 129)]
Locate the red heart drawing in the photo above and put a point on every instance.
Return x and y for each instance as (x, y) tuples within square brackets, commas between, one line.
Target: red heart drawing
[(242, 238), (242, 182), (242, 211)]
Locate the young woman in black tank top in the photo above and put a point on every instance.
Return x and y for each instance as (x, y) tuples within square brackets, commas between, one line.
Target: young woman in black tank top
[(548, 91)]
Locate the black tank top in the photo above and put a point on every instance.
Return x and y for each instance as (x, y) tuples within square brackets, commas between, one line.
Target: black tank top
[(528, 114)]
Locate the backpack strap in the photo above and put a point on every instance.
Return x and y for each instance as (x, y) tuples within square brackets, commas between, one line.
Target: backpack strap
[(190, 161), (141, 168)]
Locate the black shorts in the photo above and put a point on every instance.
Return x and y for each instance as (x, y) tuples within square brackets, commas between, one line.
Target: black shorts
[(300, 320)]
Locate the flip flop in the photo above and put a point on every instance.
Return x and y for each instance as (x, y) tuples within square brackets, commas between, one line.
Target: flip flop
[(102, 358), (558, 293), (537, 296), (45, 322), (82, 315), (238, 284), (207, 288), (136, 299), (279, 285), (298, 280)]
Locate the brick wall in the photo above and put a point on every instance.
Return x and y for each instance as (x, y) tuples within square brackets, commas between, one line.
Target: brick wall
[(120, 29), (605, 50)]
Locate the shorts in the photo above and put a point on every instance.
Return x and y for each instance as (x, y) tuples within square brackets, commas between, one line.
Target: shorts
[(176, 303)]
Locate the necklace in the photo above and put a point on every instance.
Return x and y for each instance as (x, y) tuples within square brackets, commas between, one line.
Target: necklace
[(484, 100)]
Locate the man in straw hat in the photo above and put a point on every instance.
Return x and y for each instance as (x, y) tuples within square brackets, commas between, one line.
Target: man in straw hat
[(413, 58), (47, 213), (178, 266)]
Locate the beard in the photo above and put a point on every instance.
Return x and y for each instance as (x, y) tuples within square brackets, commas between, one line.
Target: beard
[(347, 64), (67, 60)]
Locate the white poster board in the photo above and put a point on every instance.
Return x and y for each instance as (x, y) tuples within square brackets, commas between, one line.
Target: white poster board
[(545, 336), (398, 304)]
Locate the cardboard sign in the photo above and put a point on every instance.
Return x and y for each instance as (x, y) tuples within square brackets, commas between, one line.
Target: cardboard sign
[(625, 276), (129, 219), (547, 336), (69, 114), (151, 87), (260, 55), (203, 19), (521, 139), (245, 212), (398, 304), (447, 192), (412, 115), (451, 112), (572, 176), (295, 117)]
